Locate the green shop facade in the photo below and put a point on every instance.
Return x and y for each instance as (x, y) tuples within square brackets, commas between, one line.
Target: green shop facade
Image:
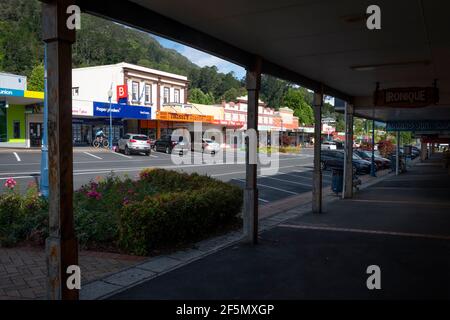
[(21, 113)]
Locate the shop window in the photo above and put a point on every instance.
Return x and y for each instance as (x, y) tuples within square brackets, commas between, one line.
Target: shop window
[(166, 95), (148, 93), (16, 130), (177, 95), (135, 91)]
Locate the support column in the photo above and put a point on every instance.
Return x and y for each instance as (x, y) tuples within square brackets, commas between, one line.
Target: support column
[(253, 83), (61, 245), (423, 151), (317, 173), (348, 153), (397, 155)]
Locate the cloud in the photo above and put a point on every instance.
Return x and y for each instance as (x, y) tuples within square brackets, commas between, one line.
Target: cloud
[(203, 59)]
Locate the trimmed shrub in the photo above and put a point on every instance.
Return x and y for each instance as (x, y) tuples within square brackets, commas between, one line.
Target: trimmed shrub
[(177, 217)]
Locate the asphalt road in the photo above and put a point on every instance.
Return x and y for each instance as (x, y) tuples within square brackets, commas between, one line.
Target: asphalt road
[(286, 175)]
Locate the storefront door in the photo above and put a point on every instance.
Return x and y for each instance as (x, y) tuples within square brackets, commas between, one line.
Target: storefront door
[(35, 134)]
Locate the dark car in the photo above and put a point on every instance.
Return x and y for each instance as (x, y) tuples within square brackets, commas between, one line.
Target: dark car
[(335, 159), (168, 143), (381, 163)]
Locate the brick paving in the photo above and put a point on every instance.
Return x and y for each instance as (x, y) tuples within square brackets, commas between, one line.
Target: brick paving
[(23, 270)]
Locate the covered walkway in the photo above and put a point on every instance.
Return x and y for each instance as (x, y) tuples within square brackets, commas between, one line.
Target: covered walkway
[(400, 224)]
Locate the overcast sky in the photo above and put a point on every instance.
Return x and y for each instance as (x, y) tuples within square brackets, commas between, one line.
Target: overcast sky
[(203, 59)]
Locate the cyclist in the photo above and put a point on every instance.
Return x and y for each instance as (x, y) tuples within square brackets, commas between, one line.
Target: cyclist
[(99, 135)]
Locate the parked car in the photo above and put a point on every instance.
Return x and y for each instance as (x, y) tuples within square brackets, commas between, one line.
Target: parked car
[(381, 163), (168, 144), (134, 143), (328, 145), (210, 146), (335, 159)]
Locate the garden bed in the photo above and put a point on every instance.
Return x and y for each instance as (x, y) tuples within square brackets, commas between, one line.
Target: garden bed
[(161, 210)]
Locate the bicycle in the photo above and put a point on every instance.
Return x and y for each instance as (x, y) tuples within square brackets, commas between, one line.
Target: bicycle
[(100, 142)]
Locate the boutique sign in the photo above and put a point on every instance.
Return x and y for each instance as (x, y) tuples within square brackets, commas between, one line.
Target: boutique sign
[(101, 109), (413, 97)]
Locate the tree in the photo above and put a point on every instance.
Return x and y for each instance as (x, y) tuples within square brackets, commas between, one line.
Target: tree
[(273, 90), (295, 100), (36, 78), (198, 96), (232, 93)]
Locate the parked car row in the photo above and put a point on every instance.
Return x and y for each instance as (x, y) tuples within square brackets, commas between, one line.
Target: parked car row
[(140, 143)]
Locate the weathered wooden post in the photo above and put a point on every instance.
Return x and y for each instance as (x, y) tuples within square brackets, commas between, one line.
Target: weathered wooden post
[(253, 83), (61, 245), (317, 171), (348, 156)]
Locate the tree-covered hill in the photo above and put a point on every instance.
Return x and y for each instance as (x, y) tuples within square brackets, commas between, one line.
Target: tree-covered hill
[(101, 42)]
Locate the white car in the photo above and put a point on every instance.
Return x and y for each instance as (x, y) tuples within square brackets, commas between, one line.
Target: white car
[(328, 145), (210, 146), (134, 143)]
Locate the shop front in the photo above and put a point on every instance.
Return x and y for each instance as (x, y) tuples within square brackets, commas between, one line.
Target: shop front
[(20, 113)]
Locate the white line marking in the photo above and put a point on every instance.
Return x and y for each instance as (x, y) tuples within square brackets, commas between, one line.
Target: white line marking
[(153, 156), (262, 200), (293, 182), (17, 156), (92, 155), (122, 155), (270, 187), (378, 232)]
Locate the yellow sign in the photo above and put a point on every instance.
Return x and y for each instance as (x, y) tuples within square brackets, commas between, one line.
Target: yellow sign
[(184, 117)]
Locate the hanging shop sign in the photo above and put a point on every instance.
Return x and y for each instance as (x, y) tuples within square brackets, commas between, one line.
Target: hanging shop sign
[(184, 117), (102, 109), (413, 97)]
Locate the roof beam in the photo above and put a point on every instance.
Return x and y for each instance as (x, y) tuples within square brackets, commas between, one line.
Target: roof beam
[(136, 16)]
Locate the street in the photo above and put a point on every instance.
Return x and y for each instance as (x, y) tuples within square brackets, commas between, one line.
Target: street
[(293, 177)]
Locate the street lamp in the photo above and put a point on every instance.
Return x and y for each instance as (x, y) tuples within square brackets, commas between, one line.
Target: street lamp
[(110, 93)]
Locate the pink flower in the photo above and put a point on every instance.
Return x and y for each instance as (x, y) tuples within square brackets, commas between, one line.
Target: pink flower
[(94, 195), (10, 183)]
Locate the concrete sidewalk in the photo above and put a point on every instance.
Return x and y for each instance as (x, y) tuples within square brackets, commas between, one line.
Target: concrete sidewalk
[(400, 224)]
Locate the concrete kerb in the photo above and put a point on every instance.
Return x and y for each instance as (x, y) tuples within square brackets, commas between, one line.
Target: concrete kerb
[(154, 267)]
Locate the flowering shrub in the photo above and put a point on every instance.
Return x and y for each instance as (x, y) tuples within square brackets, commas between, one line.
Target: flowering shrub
[(22, 217), (161, 208)]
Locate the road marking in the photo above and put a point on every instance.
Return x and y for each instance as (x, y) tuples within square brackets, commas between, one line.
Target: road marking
[(270, 187), (122, 155), (17, 156), (92, 155), (153, 156), (293, 182), (378, 232), (262, 200)]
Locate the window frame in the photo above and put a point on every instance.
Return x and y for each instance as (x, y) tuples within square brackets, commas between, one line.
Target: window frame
[(164, 94), (133, 83), (149, 95)]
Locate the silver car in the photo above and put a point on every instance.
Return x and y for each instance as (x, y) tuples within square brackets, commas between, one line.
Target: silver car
[(134, 143)]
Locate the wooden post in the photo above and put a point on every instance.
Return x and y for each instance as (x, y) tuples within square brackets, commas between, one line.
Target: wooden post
[(253, 84), (317, 173), (348, 153), (61, 245)]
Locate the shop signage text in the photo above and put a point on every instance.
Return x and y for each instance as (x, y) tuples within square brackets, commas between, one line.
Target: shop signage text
[(11, 92), (184, 117), (407, 97), (418, 125), (101, 109)]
